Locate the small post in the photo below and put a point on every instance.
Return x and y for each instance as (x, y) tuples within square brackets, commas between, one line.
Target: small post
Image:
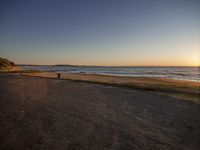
[(58, 75), (21, 73)]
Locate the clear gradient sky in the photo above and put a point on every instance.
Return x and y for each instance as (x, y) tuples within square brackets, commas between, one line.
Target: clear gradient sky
[(101, 32)]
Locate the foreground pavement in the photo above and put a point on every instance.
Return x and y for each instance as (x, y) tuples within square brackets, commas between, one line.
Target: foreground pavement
[(41, 113)]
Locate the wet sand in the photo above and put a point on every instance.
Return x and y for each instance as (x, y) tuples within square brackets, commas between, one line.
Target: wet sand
[(44, 113)]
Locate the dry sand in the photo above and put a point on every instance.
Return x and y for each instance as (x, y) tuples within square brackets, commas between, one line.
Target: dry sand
[(189, 90), (43, 113)]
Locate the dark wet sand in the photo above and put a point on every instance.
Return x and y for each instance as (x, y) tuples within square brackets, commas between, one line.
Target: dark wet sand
[(42, 113)]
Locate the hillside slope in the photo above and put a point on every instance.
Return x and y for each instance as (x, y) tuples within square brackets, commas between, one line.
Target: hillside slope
[(6, 65)]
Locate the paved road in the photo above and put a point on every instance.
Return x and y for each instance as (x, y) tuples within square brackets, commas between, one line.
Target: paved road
[(41, 113)]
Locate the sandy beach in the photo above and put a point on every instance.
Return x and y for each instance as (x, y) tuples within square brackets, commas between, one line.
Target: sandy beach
[(189, 90), (45, 113)]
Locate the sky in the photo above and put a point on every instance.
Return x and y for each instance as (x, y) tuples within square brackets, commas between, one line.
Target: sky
[(101, 32)]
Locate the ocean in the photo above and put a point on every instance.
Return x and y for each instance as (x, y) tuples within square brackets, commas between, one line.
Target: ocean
[(180, 73)]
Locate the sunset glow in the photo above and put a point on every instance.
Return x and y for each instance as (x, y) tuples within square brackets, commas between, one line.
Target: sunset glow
[(133, 33)]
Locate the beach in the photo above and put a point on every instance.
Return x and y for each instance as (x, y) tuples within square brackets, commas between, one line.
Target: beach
[(83, 111), (189, 90)]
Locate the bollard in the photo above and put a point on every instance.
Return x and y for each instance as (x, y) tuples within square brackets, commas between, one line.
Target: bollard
[(21, 73), (58, 75)]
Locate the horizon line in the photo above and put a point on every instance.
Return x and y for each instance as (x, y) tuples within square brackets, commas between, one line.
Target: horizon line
[(108, 65)]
